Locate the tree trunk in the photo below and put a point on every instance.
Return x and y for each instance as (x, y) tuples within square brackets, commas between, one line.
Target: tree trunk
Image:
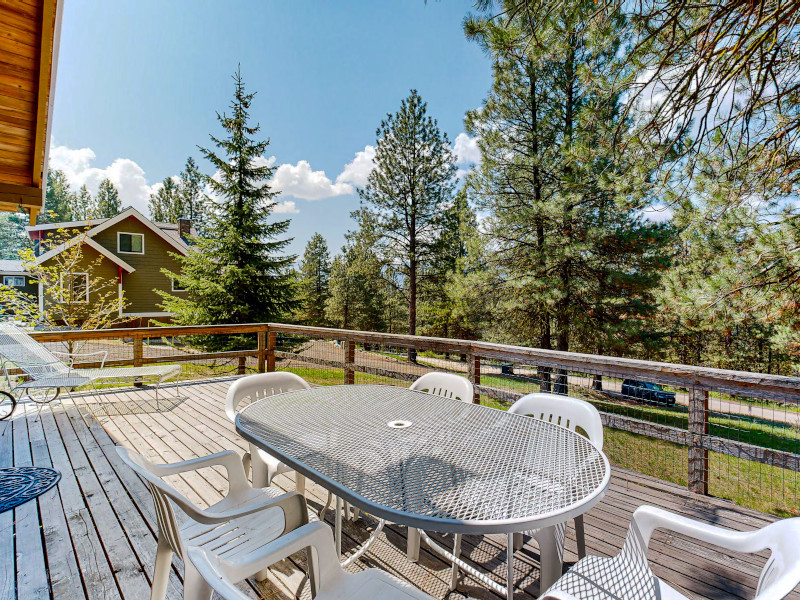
[(412, 286)]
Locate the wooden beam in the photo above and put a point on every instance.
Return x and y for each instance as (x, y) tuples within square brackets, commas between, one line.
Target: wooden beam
[(13, 197), (43, 93)]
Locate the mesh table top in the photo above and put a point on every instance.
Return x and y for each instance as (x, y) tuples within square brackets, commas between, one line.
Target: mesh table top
[(431, 462)]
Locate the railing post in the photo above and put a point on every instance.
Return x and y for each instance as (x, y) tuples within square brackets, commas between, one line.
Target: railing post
[(138, 354), (698, 429), (262, 351), (271, 344), (349, 361), (241, 368), (475, 375)]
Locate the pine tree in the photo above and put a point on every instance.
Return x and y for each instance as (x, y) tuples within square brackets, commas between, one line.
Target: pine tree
[(83, 205), (237, 272), (107, 203), (194, 202), (59, 199), (566, 206), (12, 234), (315, 270), (166, 205), (407, 191)]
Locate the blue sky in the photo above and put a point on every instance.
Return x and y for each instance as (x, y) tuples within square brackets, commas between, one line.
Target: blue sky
[(139, 83)]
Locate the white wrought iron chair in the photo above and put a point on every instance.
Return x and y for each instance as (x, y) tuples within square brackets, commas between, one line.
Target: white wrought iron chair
[(446, 385), (257, 387), (218, 573), (572, 414), (245, 520), (627, 576)]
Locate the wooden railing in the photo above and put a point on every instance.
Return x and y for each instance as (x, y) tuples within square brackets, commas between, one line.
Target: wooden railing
[(698, 381)]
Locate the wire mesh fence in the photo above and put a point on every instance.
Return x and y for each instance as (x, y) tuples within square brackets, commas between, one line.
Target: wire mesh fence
[(713, 434)]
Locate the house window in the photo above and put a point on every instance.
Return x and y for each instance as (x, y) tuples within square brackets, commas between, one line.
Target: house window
[(176, 286), (13, 281), (75, 286), (130, 243)]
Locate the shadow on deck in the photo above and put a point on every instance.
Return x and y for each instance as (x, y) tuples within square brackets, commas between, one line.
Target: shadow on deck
[(94, 535)]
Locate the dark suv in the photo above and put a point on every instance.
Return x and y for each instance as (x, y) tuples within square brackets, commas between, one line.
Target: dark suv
[(647, 392)]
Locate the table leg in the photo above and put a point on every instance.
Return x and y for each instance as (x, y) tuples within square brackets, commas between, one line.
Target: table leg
[(413, 544), (338, 526), (510, 567), (551, 550)]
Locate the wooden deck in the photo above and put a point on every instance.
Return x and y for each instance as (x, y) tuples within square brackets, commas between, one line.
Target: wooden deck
[(94, 535)]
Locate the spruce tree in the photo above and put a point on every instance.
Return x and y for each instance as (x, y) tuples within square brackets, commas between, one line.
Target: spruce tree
[(107, 203), (237, 272), (166, 205), (12, 234), (83, 207), (193, 200), (315, 271)]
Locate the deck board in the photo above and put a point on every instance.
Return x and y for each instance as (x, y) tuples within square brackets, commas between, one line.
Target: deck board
[(94, 536)]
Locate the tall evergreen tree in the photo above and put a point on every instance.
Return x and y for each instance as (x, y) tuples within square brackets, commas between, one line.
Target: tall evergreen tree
[(237, 273), (407, 192), (83, 205), (59, 198), (194, 202), (566, 208), (12, 234), (107, 203), (315, 271), (166, 205)]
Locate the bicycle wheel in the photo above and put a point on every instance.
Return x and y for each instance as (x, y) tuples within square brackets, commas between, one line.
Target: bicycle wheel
[(7, 405), (42, 395)]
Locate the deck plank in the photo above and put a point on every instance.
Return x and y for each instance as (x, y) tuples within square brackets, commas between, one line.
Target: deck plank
[(103, 512)]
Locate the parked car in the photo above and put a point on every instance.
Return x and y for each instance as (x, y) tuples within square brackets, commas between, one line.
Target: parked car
[(647, 392)]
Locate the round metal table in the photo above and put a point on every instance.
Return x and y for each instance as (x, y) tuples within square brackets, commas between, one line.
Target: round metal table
[(432, 463)]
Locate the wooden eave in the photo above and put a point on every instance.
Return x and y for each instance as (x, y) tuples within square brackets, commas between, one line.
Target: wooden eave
[(28, 34)]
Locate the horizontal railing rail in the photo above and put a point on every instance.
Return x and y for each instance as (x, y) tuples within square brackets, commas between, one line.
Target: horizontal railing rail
[(698, 382)]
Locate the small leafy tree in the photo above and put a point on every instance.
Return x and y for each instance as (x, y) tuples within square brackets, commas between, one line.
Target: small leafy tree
[(76, 295)]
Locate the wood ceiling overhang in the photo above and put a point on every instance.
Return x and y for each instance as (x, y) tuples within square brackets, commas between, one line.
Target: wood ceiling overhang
[(28, 55)]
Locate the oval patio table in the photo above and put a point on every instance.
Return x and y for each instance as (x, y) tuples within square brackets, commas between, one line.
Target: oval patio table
[(433, 463)]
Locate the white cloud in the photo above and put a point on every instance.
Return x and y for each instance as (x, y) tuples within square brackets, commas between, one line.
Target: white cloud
[(466, 149), (658, 213), (299, 181), (288, 208), (124, 173), (357, 170)]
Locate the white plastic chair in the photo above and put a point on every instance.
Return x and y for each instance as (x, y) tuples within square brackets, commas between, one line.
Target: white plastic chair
[(241, 523), (627, 576), (570, 413), (256, 387), (217, 573), (446, 385)]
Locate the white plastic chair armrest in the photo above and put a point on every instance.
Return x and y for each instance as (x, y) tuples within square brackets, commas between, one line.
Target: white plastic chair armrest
[(230, 459), (558, 595), (295, 511), (649, 518), (72, 355), (316, 535)]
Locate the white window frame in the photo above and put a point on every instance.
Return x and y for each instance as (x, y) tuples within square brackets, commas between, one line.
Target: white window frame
[(13, 277), (86, 275), (131, 233), (174, 289)]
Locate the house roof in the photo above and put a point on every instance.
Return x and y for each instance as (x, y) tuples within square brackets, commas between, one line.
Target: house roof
[(28, 62), (11, 267), (78, 239), (174, 240)]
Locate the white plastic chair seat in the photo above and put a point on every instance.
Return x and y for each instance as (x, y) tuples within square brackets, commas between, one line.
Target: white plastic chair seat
[(332, 582)]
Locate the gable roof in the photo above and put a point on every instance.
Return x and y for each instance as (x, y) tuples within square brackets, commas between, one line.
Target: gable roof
[(175, 242), (12, 267), (84, 239)]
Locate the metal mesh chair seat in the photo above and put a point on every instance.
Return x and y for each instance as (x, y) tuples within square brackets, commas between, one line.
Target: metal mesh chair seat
[(160, 371), (57, 381)]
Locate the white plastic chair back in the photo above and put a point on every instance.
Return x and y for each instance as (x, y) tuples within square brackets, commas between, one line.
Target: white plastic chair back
[(168, 525), (446, 385), (570, 413), (781, 573), (261, 385), (33, 358)]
